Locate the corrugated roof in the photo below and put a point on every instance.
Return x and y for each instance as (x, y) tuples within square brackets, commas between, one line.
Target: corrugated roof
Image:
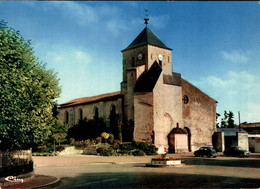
[(252, 130), (86, 100), (230, 131), (146, 37)]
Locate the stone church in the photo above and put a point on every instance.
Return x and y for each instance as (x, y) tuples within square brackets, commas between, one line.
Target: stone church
[(156, 104)]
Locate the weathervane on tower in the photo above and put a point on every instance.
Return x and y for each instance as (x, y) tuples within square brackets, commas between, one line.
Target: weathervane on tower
[(146, 17)]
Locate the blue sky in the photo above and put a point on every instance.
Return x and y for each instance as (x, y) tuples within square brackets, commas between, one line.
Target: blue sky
[(216, 45)]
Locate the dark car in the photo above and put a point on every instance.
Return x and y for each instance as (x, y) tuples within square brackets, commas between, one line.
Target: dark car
[(236, 151), (206, 151)]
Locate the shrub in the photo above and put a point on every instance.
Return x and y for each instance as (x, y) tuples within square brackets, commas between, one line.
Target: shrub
[(105, 135), (117, 142), (16, 169), (127, 146), (72, 140), (111, 139), (87, 129), (98, 140), (125, 152), (138, 153), (81, 144), (106, 151), (93, 142), (149, 149), (60, 148)]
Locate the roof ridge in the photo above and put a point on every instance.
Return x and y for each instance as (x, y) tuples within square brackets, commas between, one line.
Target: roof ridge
[(146, 37), (89, 99)]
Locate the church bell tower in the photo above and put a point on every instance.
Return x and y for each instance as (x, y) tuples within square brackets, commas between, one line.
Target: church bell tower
[(144, 52)]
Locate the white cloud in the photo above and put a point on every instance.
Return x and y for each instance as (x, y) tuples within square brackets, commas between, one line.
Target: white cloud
[(235, 57), (81, 72), (235, 92), (116, 26), (158, 21), (82, 13), (88, 14), (65, 56)]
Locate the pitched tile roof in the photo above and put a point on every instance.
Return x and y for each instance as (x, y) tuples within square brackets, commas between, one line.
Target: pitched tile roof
[(87, 100), (146, 37)]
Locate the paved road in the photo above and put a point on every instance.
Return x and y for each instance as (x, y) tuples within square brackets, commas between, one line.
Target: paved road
[(108, 173)]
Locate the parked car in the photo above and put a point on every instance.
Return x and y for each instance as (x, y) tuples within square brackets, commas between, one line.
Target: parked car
[(236, 151), (206, 151)]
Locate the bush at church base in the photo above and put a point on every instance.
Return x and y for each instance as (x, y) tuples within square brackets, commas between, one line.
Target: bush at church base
[(133, 148)]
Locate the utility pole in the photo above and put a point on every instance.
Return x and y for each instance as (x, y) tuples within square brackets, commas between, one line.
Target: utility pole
[(239, 121)]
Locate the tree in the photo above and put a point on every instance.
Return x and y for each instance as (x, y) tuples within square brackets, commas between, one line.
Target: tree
[(27, 94), (87, 129), (114, 126), (228, 120)]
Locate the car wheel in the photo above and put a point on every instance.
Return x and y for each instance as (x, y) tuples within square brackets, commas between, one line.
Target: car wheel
[(208, 155)]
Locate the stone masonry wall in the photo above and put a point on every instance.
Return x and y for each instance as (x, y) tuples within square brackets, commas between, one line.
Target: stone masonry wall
[(199, 115), (104, 108), (143, 106), (153, 53), (167, 112), (242, 140)]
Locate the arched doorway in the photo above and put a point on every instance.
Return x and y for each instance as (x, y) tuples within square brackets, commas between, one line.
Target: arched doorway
[(177, 140), (189, 138)]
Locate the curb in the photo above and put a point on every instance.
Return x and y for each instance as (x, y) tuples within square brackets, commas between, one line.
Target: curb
[(48, 184), (31, 185), (25, 177)]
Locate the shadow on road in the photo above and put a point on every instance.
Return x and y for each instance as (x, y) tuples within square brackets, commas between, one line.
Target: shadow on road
[(239, 162), (154, 180)]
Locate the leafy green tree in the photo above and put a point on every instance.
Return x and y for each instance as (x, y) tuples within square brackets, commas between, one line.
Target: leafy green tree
[(87, 129), (228, 120), (27, 94), (114, 126)]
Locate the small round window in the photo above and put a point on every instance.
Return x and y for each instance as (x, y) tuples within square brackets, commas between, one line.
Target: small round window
[(185, 99)]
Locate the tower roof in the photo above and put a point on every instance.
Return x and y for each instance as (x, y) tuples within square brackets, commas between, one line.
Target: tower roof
[(146, 37)]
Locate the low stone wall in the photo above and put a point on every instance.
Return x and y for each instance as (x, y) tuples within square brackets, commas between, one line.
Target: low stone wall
[(15, 162), (71, 150), (18, 157)]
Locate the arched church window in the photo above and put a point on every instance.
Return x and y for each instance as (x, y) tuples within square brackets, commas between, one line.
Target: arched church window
[(151, 56), (168, 59), (66, 117), (113, 108), (185, 99), (80, 114), (96, 113)]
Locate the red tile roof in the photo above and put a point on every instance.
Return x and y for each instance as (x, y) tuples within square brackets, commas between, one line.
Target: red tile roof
[(87, 100)]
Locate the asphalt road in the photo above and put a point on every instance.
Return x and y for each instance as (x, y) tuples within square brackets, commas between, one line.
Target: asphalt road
[(195, 173)]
